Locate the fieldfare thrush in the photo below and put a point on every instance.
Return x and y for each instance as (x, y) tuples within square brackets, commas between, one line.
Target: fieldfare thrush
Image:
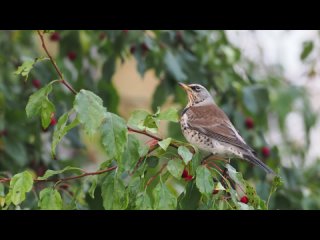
[(206, 126)]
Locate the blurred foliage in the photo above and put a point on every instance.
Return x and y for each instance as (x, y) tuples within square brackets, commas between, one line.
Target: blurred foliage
[(88, 60)]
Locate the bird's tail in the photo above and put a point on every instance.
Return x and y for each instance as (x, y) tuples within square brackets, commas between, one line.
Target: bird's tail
[(256, 161)]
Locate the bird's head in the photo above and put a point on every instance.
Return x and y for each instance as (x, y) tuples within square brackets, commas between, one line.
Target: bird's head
[(197, 94)]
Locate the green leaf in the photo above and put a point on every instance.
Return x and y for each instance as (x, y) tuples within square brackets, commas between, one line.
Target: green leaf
[(163, 198), (256, 98), (152, 161), (47, 111), (50, 199), (17, 151), (174, 67), (50, 173), (114, 193), (61, 130), (277, 182), (93, 185), (160, 95), (185, 153), (175, 167), (131, 153), (34, 105), (169, 115), (114, 135), (143, 120), (90, 110), (27, 66), (189, 199), (234, 175), (48, 31), (151, 123), (307, 49), (204, 180), (2, 194), (143, 201), (20, 184), (164, 144), (137, 119)]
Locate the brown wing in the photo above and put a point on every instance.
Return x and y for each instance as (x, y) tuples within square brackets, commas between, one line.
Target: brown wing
[(212, 121)]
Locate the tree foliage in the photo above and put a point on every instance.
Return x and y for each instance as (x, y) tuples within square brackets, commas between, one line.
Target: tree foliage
[(164, 173)]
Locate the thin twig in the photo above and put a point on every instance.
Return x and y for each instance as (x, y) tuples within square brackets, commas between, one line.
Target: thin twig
[(3, 180), (63, 81), (156, 175), (142, 158)]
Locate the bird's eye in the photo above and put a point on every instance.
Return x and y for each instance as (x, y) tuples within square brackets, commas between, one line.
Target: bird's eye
[(196, 88)]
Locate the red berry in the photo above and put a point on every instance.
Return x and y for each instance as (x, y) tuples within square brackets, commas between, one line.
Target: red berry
[(185, 173), (4, 133), (249, 123), (64, 186), (53, 121), (179, 36), (145, 48), (215, 191), (72, 55), (40, 170), (188, 178), (132, 49), (265, 151), (36, 83), (125, 31), (55, 37), (244, 199)]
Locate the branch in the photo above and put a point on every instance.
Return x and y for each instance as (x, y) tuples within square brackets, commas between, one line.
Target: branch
[(152, 136), (142, 158), (63, 81), (157, 174), (3, 180)]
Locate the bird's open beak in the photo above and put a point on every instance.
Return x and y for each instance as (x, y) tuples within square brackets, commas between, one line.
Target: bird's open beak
[(185, 87)]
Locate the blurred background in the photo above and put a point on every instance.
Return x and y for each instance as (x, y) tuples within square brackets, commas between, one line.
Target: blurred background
[(267, 82)]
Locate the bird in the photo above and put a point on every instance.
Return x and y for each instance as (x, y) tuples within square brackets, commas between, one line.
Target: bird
[(206, 126)]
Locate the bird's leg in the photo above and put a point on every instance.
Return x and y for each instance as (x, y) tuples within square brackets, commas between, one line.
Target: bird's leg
[(206, 158), (225, 175)]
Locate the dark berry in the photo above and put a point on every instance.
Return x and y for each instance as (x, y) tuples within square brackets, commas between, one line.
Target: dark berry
[(4, 133), (215, 191), (132, 49), (40, 170), (102, 36), (249, 123), (188, 178), (244, 199), (185, 173), (64, 186), (55, 37), (179, 36), (53, 121), (72, 55), (144, 48), (36, 83), (265, 151)]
